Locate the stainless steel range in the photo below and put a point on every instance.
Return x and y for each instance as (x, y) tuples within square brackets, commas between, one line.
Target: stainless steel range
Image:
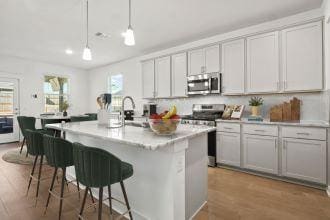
[(204, 114)]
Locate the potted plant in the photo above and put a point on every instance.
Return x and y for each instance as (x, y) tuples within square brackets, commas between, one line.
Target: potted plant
[(64, 107), (255, 103)]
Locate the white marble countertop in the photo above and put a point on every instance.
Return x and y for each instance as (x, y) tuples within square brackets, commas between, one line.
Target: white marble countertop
[(137, 136), (304, 123)]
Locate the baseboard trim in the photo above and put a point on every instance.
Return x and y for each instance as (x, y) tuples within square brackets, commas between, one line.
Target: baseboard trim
[(197, 211)]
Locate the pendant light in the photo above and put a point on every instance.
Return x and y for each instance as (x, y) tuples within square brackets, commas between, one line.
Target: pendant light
[(129, 35), (87, 54)]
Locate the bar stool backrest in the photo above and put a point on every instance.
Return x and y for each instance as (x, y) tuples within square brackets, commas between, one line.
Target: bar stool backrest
[(25, 123), (81, 118), (34, 142), (58, 151), (96, 167)]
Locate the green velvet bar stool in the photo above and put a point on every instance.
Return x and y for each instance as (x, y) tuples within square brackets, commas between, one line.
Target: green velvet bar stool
[(34, 143), (81, 118), (25, 123), (97, 168), (59, 155)]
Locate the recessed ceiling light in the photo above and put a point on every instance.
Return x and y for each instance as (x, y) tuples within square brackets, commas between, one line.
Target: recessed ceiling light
[(68, 51)]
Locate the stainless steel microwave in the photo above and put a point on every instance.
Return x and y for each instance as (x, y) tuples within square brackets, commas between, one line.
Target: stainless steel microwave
[(204, 84)]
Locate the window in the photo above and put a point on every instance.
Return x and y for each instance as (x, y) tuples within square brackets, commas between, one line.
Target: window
[(56, 93), (6, 99), (115, 87)]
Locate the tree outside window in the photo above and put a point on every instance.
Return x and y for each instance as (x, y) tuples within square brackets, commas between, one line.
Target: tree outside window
[(115, 87), (56, 93)]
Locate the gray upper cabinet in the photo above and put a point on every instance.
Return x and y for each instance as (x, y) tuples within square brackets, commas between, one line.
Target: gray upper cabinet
[(179, 75), (233, 67), (148, 79), (204, 60), (302, 57), (163, 77), (262, 74)]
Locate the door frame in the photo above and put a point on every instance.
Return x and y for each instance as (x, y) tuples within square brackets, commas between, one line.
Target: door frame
[(7, 76)]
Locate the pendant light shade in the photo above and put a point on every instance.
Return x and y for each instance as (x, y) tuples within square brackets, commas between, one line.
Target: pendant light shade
[(129, 37), (87, 54), (129, 34)]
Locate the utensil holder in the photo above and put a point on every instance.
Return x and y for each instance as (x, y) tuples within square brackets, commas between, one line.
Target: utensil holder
[(103, 117)]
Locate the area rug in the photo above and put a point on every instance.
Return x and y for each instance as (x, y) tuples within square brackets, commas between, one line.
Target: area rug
[(13, 156)]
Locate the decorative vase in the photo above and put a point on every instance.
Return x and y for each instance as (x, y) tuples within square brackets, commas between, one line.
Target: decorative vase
[(255, 110), (65, 113)]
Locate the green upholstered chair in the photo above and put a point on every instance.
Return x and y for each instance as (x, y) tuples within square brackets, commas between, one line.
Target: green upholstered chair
[(93, 116), (25, 123), (81, 118), (97, 168), (59, 155), (34, 143)]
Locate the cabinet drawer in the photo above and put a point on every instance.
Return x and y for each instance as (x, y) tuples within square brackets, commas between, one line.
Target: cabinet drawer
[(268, 130), (304, 133), (229, 127)]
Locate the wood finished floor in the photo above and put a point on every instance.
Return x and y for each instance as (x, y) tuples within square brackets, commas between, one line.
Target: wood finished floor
[(232, 195)]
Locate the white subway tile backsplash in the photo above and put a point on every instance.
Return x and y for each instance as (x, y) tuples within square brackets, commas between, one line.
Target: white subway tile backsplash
[(315, 106)]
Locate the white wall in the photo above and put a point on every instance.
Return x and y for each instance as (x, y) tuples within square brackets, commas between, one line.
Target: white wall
[(315, 105), (31, 73)]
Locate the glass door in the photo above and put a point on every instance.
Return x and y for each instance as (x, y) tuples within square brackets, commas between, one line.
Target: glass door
[(9, 129)]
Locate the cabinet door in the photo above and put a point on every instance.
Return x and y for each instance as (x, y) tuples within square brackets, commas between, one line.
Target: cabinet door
[(228, 148), (233, 67), (302, 57), (260, 153), (304, 159), (263, 63), (148, 79), (179, 75), (163, 77), (212, 59), (196, 61)]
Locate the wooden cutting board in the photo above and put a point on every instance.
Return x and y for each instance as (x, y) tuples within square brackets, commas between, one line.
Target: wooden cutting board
[(295, 109), (276, 113), (286, 111)]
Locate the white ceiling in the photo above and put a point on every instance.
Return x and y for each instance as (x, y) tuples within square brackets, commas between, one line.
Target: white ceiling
[(43, 29)]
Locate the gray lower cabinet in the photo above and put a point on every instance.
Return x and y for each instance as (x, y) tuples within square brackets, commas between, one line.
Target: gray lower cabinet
[(304, 159), (228, 148), (260, 153)]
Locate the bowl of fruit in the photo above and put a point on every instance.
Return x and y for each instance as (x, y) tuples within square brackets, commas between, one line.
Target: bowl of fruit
[(165, 123)]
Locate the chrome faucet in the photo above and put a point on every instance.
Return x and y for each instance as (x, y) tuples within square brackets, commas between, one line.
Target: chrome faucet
[(123, 108)]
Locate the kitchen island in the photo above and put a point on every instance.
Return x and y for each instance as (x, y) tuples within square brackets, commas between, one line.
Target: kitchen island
[(170, 172)]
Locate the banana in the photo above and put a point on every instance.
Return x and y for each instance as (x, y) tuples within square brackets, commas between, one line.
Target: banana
[(172, 112)]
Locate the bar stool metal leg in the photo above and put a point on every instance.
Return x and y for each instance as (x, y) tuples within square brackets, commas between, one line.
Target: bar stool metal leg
[(126, 199), (23, 142), (110, 201), (31, 174), (100, 203), (62, 191), (51, 187), (83, 202), (39, 175)]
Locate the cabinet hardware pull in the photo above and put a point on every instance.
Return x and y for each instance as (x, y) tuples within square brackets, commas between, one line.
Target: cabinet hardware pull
[(302, 133), (227, 128), (278, 85), (260, 130)]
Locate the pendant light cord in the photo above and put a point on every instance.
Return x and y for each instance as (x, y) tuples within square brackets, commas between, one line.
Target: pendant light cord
[(129, 13), (87, 23)]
